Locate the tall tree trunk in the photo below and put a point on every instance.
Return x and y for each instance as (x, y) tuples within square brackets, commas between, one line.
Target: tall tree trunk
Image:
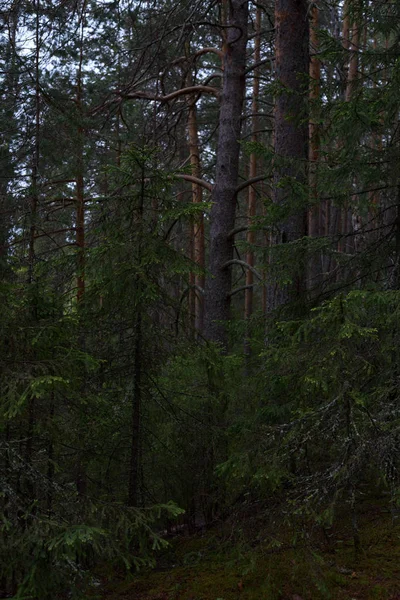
[(377, 142), (134, 470), (136, 405), (32, 233), (81, 479), (315, 214), (351, 41), (80, 211), (217, 300), (291, 131), (252, 194), (198, 222), (9, 94)]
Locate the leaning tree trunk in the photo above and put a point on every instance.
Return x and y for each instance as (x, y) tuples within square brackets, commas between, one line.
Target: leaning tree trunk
[(291, 133), (217, 301)]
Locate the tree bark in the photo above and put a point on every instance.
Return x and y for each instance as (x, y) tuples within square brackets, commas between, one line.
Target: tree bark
[(315, 214), (81, 479), (134, 471), (217, 299), (9, 91), (198, 222), (136, 405), (291, 132), (32, 234), (252, 196), (351, 41)]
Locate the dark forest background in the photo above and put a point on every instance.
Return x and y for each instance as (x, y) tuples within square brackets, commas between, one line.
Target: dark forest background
[(200, 272)]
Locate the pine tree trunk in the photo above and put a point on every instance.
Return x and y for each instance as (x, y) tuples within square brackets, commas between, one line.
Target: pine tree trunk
[(32, 235), (217, 300), (315, 214), (134, 470), (252, 197), (291, 131), (6, 163), (351, 40), (136, 404), (198, 222), (81, 480)]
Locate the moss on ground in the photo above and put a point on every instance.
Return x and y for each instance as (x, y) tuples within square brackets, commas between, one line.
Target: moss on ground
[(212, 567)]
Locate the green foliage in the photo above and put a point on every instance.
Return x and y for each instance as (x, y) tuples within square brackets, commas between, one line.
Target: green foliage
[(48, 553), (306, 420), (328, 422)]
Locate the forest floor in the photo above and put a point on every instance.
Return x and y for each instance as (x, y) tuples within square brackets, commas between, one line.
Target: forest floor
[(219, 564)]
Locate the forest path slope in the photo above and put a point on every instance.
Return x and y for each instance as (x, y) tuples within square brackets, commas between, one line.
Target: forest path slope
[(214, 567)]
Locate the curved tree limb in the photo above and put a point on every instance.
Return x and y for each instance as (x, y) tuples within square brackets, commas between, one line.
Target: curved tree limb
[(243, 264), (252, 181), (237, 230), (259, 63), (205, 184), (209, 50), (242, 288), (193, 89)]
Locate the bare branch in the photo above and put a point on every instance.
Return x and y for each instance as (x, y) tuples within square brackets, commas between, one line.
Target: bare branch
[(237, 230), (259, 64), (243, 288), (209, 50), (243, 264), (194, 89), (205, 184), (252, 181)]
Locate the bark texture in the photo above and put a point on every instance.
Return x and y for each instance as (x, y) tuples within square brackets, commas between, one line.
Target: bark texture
[(315, 214), (291, 129), (252, 193), (134, 467), (217, 300), (198, 223)]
